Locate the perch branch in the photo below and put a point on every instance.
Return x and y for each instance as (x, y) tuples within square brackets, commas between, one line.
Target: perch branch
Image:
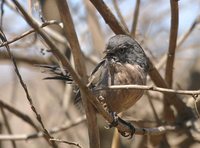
[(154, 88)]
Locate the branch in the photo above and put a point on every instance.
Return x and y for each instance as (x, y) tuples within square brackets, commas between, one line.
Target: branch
[(54, 130), (67, 142), (138, 131), (109, 17), (97, 35), (119, 14), (7, 125), (180, 41), (153, 88), (172, 42), (27, 33), (187, 33), (81, 69), (156, 131), (135, 19), (19, 114)]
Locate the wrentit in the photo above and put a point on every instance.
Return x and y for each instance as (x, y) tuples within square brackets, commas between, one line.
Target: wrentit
[(124, 63)]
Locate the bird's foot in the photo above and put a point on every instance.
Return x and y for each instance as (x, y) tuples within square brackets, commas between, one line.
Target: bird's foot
[(131, 127), (115, 122)]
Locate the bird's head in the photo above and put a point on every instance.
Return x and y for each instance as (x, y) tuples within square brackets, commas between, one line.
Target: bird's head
[(124, 49)]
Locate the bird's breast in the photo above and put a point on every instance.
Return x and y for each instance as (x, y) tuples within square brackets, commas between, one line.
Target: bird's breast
[(122, 74)]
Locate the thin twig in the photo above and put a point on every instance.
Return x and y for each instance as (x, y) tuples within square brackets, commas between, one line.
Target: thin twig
[(153, 88), (135, 19), (27, 33), (54, 34), (119, 14), (54, 130), (19, 114), (97, 35), (172, 42), (153, 108), (7, 125), (155, 131), (138, 131), (67, 142), (180, 41), (1, 13)]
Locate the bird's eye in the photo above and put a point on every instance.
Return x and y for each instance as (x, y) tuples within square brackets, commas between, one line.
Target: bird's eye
[(122, 50)]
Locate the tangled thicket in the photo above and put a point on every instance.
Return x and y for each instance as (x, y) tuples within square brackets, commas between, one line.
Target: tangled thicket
[(55, 32)]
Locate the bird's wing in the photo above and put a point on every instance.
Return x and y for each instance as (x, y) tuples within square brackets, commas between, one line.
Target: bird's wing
[(93, 79), (98, 75)]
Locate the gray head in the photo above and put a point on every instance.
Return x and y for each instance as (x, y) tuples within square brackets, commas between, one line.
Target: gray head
[(124, 49)]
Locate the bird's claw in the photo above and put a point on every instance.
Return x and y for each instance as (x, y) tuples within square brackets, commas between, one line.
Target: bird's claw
[(126, 134), (115, 122)]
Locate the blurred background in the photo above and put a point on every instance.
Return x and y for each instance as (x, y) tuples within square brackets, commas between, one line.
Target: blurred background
[(54, 99)]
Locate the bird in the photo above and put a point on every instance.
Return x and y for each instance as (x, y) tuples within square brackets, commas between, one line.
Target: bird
[(124, 63)]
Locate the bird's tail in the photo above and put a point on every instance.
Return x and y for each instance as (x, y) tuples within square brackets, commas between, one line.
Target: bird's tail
[(56, 73)]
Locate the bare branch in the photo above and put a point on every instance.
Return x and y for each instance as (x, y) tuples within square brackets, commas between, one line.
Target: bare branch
[(27, 33), (116, 6), (153, 88), (5, 118), (67, 142), (172, 42), (81, 69), (109, 17), (135, 19), (138, 131), (54, 130), (19, 114)]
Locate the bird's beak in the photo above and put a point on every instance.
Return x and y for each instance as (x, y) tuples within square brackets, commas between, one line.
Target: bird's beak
[(107, 51)]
